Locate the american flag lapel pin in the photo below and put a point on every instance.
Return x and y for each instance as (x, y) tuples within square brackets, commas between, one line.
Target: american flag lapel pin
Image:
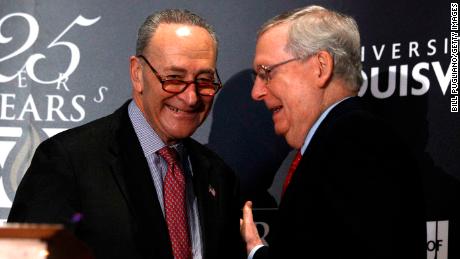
[(212, 191)]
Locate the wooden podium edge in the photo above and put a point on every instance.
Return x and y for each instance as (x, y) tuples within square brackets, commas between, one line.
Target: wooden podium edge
[(31, 231)]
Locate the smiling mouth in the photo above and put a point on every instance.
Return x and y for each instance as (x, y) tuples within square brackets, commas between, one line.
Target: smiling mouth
[(177, 110)]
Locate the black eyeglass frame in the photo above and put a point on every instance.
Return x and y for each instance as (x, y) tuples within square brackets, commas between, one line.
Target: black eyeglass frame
[(267, 69), (216, 85)]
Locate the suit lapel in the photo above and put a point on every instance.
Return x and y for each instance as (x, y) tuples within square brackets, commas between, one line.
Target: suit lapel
[(131, 171), (321, 134)]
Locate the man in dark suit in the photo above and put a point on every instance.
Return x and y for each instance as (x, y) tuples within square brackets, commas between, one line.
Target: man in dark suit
[(356, 192), (141, 186)]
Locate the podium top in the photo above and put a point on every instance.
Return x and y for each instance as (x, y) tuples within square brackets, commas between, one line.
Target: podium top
[(50, 241), (31, 231)]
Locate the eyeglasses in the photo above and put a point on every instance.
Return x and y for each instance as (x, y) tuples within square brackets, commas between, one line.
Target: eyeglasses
[(263, 71), (205, 87)]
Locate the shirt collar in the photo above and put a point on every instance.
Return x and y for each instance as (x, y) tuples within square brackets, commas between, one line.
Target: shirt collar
[(318, 122), (149, 139)]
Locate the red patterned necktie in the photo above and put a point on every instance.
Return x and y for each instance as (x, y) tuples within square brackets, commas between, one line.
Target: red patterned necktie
[(291, 171), (175, 205)]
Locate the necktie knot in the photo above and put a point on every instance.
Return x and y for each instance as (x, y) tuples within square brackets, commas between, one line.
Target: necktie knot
[(169, 154), (291, 171)]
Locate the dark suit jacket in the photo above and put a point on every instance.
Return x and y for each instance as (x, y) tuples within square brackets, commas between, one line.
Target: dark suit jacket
[(100, 171), (355, 194)]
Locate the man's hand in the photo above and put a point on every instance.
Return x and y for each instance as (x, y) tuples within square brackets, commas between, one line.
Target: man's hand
[(248, 229)]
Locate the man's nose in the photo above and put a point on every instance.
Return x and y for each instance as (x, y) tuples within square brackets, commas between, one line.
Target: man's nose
[(190, 95), (258, 89)]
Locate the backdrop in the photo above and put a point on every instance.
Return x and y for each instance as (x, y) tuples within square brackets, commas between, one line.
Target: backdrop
[(65, 63)]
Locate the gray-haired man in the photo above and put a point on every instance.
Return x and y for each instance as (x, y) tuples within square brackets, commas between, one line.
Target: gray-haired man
[(144, 187), (356, 192)]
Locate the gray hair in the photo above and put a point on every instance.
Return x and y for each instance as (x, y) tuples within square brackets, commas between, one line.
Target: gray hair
[(169, 16), (314, 28)]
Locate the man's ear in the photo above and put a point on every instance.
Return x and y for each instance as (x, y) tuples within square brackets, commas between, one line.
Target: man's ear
[(325, 63), (135, 71)]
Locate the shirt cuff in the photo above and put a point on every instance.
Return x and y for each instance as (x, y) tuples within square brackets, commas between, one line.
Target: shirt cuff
[(254, 250)]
